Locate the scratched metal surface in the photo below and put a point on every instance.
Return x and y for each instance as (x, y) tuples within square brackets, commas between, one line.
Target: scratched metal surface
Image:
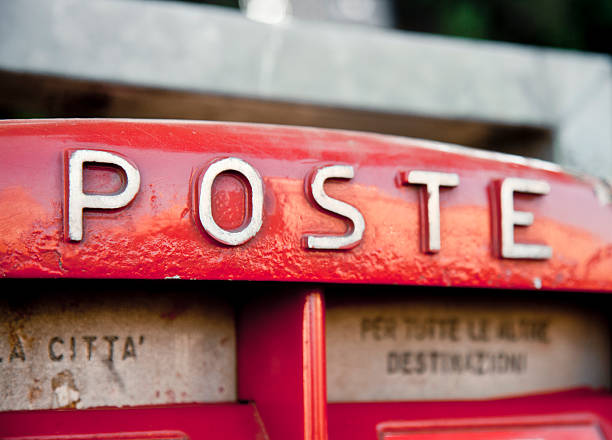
[(158, 236), (418, 350), (80, 346)]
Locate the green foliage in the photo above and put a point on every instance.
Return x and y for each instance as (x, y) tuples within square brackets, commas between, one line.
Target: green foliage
[(464, 18), (571, 24)]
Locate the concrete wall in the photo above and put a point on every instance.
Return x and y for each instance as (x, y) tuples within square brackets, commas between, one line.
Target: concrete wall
[(205, 49)]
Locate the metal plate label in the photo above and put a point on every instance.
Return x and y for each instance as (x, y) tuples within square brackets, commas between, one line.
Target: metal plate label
[(427, 350), (114, 349)]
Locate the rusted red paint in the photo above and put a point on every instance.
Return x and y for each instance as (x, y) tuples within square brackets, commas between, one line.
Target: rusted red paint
[(157, 236)]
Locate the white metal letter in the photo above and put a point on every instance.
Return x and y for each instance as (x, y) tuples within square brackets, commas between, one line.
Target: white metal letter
[(433, 181), (509, 218), (77, 200), (355, 231), (238, 237)]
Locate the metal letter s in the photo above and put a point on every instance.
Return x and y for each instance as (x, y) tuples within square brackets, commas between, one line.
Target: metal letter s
[(355, 232)]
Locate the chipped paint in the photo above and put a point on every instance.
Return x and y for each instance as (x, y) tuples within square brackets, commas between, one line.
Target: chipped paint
[(157, 236), (537, 283)]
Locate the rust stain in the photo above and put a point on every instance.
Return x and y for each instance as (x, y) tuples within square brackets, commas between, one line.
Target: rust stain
[(15, 328), (170, 396), (176, 311), (35, 393), (65, 392)]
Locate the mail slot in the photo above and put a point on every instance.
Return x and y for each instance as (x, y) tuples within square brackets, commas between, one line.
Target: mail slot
[(196, 280)]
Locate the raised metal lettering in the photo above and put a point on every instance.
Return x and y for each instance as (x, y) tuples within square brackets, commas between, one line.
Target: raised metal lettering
[(509, 218), (355, 231), (237, 237), (76, 200), (431, 212)]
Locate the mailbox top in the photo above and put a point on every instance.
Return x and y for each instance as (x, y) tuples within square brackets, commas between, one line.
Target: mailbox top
[(203, 200)]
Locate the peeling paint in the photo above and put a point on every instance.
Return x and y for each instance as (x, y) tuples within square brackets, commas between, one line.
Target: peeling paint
[(537, 283), (65, 392)]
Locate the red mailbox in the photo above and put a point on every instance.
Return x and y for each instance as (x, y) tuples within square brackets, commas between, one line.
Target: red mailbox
[(195, 280)]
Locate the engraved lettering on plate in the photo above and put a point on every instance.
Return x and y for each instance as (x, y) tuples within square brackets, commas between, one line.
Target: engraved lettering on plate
[(449, 349), (509, 218), (76, 200), (431, 211), (63, 349), (241, 236), (316, 190)]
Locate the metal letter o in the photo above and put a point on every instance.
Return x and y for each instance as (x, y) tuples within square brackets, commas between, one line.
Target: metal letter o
[(238, 237)]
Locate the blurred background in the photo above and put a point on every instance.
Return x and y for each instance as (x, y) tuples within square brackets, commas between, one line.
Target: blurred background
[(526, 77), (570, 24)]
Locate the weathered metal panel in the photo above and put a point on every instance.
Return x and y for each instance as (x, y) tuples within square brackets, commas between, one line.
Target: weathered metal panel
[(460, 350), (120, 346)]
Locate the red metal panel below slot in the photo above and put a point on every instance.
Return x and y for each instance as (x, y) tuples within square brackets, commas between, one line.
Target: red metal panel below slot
[(198, 422), (561, 427), (358, 421), (146, 435), (565, 433)]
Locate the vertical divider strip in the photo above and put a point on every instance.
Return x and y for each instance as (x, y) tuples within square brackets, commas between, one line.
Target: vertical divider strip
[(281, 360), (314, 369)]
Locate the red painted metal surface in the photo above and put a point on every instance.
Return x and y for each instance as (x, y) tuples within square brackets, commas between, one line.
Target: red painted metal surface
[(313, 368), (145, 435), (281, 364), (198, 422), (360, 421), (560, 427), (280, 331), (157, 235)]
